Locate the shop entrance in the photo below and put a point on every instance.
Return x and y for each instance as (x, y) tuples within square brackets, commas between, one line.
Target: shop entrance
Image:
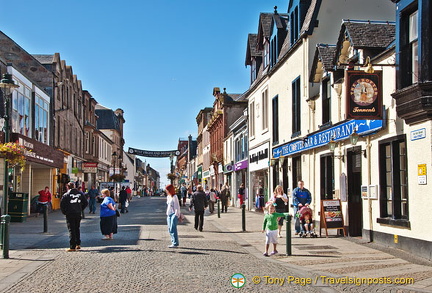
[(355, 209)]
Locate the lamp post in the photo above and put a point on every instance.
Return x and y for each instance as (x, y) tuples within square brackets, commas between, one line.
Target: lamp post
[(7, 86), (114, 157)]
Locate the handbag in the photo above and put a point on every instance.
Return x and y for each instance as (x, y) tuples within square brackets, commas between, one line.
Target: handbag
[(181, 218), (117, 213)]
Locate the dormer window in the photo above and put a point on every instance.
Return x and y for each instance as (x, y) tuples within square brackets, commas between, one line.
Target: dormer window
[(266, 54), (294, 26), (274, 50), (253, 70)]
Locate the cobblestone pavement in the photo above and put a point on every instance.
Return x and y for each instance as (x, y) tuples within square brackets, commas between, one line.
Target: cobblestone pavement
[(139, 260)]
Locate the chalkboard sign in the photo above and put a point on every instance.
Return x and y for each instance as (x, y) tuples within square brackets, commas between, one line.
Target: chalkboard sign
[(331, 215)]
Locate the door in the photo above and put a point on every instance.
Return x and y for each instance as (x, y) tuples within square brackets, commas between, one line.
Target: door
[(327, 177), (355, 208)]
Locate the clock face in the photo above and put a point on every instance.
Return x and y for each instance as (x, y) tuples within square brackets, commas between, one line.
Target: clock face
[(364, 92)]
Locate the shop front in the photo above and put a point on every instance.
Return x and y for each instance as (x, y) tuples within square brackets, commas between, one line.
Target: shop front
[(42, 169), (259, 173)]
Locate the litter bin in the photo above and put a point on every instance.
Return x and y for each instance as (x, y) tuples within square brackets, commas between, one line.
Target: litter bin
[(18, 206)]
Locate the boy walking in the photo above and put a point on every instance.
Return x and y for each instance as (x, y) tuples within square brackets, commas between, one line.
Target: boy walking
[(270, 226)]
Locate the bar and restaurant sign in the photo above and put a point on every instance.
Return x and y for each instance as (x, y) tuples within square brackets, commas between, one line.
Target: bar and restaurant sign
[(319, 139), (364, 95)]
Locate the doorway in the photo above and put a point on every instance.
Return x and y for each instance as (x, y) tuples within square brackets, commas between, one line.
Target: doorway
[(355, 207), (327, 177)]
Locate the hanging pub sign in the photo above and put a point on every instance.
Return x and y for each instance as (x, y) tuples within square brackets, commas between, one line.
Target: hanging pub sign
[(364, 95)]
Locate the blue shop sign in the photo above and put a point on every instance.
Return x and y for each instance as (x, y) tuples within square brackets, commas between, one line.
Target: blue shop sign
[(338, 132)]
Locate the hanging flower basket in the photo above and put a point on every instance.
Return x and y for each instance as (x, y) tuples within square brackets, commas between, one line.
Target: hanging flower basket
[(171, 176), (117, 177), (13, 153)]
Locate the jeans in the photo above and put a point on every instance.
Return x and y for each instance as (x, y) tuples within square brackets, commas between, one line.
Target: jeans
[(92, 205), (199, 220), (296, 220), (172, 229), (211, 206), (73, 223), (123, 206)]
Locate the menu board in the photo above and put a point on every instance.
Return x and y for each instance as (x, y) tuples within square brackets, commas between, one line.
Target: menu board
[(331, 215)]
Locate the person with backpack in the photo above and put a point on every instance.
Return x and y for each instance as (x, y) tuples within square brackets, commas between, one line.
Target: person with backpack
[(72, 205)]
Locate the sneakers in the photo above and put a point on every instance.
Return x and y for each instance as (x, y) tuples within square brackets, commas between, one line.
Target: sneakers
[(70, 249), (173, 246), (265, 254), (274, 252), (78, 247)]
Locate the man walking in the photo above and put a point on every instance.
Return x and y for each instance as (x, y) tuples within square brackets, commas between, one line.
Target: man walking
[(224, 197), (123, 197), (72, 204), (301, 197), (199, 203), (92, 194)]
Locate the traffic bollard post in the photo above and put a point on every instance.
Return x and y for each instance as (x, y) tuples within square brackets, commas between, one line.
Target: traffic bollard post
[(243, 217), (45, 216), (218, 205), (288, 235), (5, 220)]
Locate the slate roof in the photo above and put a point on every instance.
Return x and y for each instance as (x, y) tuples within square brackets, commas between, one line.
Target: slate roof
[(310, 18), (326, 54), (366, 34), (252, 49), (107, 119), (44, 59)]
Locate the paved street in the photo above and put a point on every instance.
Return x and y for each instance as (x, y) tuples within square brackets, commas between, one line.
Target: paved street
[(139, 260)]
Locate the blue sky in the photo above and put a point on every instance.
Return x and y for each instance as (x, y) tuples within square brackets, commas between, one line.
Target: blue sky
[(157, 60)]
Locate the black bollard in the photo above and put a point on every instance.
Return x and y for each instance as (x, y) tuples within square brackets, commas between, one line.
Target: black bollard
[(244, 217), (5, 220), (288, 235), (45, 216), (218, 204)]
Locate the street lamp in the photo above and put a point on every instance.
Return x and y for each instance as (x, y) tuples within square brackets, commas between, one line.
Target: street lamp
[(7, 86)]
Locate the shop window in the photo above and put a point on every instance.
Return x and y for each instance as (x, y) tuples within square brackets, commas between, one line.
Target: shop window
[(393, 182), (296, 171)]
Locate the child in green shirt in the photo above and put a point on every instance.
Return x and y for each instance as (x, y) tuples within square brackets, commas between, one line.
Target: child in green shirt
[(270, 226)]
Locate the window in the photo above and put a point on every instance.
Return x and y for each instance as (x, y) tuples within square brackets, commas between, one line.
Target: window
[(266, 54), (21, 110), (41, 120), (275, 119), (296, 115), (253, 70), (264, 108), (326, 101), (294, 26), (408, 58), (87, 142), (252, 119), (413, 41), (273, 50), (393, 181)]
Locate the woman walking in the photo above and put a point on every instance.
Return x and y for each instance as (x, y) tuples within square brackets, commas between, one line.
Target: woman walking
[(173, 214), (281, 200), (108, 216)]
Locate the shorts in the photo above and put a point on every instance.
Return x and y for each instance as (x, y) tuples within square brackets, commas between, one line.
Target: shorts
[(271, 236)]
